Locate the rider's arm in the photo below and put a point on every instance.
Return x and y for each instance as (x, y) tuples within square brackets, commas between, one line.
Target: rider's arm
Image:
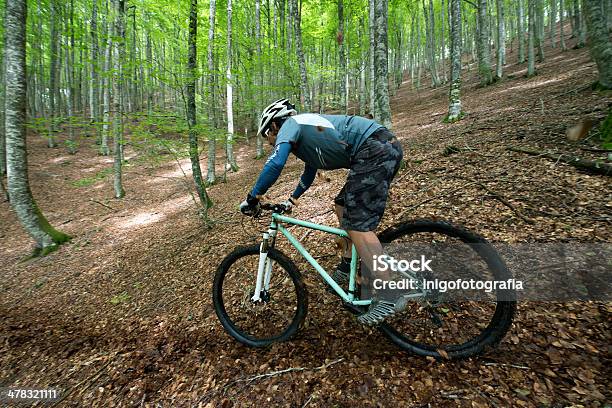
[(272, 169), (305, 181)]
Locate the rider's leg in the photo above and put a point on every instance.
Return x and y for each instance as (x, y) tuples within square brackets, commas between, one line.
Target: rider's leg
[(346, 247), (365, 195), (368, 246)]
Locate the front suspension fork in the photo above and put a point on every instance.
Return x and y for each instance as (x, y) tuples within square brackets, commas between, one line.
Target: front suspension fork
[(264, 267)]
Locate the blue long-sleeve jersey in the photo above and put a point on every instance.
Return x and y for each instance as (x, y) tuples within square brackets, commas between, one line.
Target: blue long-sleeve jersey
[(321, 141), (273, 168)]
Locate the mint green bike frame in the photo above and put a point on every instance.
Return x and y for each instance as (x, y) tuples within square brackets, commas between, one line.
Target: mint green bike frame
[(264, 270)]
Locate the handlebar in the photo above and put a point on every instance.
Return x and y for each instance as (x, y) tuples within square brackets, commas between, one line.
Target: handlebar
[(275, 208)]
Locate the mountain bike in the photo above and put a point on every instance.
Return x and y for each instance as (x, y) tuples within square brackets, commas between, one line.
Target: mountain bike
[(260, 298)]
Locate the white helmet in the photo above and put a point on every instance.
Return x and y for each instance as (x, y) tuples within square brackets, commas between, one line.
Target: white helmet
[(277, 109)]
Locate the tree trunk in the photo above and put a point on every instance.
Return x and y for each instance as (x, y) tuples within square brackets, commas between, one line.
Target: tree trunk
[(194, 153), (484, 56), (104, 150), (47, 238), (454, 101), (93, 79), (229, 141), (553, 20), (599, 41), (300, 56), (372, 66), (576, 20), (134, 74), (561, 24), (149, 54), (442, 41), (501, 39), (40, 72), (260, 77), (382, 111), (119, 59), (539, 32), (210, 173), (362, 73), (52, 76), (419, 51), (340, 40), (531, 41), (2, 106), (72, 144), (582, 26), (161, 68), (431, 42), (521, 31)]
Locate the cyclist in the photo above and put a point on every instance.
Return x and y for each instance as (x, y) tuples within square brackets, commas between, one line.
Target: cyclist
[(371, 153)]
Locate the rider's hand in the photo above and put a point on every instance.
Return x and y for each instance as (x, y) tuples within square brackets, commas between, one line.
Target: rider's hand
[(250, 206), (289, 204)]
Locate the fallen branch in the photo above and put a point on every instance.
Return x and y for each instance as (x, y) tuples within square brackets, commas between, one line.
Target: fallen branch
[(286, 370), (583, 164), (508, 365), (499, 198), (102, 204), (590, 149), (248, 380), (507, 203)]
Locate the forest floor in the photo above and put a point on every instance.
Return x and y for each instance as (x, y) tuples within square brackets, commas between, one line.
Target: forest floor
[(122, 315)]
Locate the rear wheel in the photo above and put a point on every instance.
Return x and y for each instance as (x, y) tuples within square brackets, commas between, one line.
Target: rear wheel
[(277, 316), (436, 325)]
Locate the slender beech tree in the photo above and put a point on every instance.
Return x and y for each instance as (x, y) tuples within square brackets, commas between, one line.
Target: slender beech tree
[(442, 41), (94, 98), (599, 41), (454, 100), (561, 24), (106, 100), (52, 75), (149, 82), (431, 41), (539, 28), (578, 24), (531, 41), (2, 99), (210, 171), (340, 40), (362, 73), (260, 77), (501, 39), (71, 100), (46, 237), (484, 54), (553, 21), (520, 30), (382, 111), (297, 29), (372, 66), (229, 140), (118, 105), (194, 152)]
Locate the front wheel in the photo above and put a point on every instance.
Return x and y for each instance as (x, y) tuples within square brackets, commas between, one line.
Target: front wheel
[(450, 326), (282, 307)]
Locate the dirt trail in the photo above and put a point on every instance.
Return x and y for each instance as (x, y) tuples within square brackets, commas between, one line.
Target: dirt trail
[(123, 313)]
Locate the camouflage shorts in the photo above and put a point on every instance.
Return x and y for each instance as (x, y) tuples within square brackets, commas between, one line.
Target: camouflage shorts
[(364, 196)]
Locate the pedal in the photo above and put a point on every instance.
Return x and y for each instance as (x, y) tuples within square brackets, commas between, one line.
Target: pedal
[(356, 310)]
